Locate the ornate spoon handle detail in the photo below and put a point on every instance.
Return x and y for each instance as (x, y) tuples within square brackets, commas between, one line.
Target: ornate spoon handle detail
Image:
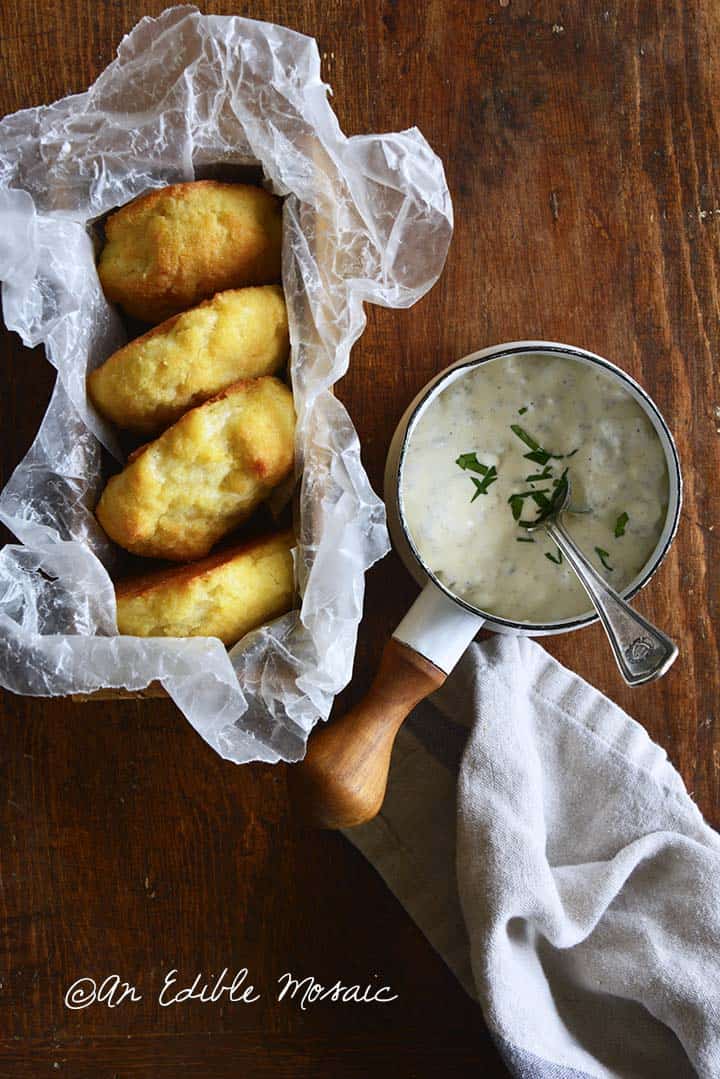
[(642, 651)]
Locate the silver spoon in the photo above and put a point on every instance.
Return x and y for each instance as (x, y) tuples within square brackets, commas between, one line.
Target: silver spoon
[(643, 652)]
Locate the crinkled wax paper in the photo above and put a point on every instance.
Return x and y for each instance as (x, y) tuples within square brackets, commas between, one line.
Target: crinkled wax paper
[(365, 218)]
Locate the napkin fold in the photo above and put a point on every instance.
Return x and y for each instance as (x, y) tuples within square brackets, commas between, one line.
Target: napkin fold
[(551, 854)]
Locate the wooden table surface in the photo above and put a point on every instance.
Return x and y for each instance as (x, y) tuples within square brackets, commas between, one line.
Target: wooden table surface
[(581, 150)]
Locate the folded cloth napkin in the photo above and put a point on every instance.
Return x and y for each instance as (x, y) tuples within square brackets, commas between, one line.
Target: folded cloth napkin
[(550, 852)]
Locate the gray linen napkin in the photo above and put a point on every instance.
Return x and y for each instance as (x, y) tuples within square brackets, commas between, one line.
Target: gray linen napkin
[(551, 854)]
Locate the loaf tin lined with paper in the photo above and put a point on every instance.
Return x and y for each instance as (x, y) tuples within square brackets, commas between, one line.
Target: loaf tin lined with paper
[(209, 96)]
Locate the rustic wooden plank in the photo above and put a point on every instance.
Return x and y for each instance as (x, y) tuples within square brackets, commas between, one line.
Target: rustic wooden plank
[(152, 691), (582, 154), (227, 1056)]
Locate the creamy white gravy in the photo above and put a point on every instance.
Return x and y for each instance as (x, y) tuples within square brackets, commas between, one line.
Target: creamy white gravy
[(474, 547)]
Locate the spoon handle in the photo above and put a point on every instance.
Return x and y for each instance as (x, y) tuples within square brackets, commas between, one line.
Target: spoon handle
[(643, 652)]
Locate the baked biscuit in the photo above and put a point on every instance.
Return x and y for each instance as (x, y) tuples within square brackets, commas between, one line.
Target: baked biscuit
[(223, 596), (203, 476), (175, 246), (148, 384)]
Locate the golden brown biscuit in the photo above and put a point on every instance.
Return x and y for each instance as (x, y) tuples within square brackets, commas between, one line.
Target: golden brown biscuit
[(175, 246), (223, 596), (148, 384), (179, 494)]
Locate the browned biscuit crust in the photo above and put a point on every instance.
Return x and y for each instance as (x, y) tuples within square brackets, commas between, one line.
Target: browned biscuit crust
[(225, 595), (203, 476), (153, 380), (177, 245)]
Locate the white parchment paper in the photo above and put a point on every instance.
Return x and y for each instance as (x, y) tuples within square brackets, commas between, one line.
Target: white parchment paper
[(365, 218)]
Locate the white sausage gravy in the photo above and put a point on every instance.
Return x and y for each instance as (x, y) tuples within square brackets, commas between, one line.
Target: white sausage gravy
[(489, 454)]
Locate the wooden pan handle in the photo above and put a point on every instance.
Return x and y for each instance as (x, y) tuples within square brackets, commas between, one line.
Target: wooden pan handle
[(341, 782)]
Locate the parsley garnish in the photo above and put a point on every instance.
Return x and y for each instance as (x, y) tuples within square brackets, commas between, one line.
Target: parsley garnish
[(557, 560), (537, 453), (540, 500), (547, 506), (481, 486), (620, 525), (525, 437), (516, 501), (540, 457), (516, 505), (522, 411), (544, 475), (602, 555), (469, 460)]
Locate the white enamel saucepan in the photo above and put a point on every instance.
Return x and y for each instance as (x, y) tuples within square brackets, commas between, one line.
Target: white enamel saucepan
[(342, 780)]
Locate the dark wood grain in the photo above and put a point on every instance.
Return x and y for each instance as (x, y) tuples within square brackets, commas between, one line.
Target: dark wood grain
[(581, 147)]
